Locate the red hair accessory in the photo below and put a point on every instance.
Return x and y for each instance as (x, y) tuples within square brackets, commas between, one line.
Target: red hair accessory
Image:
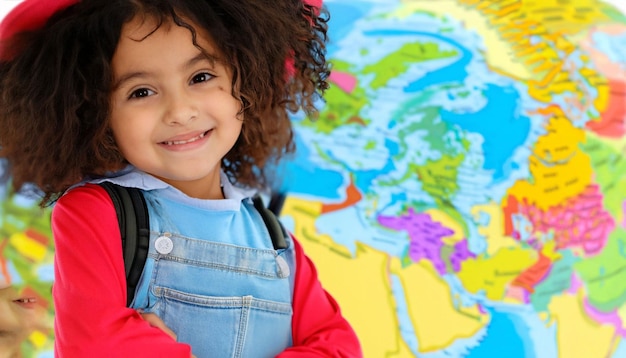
[(32, 14), (314, 3), (290, 63), (29, 15)]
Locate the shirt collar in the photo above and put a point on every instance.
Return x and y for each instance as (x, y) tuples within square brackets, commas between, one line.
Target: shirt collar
[(135, 178)]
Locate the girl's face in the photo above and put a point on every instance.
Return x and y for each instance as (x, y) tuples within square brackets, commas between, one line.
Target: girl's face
[(172, 112), (18, 319), (11, 324)]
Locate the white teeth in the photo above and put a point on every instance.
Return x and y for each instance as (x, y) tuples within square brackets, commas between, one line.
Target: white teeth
[(178, 142), (26, 300)]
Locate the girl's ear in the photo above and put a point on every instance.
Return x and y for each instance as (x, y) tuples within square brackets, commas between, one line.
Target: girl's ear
[(29, 15)]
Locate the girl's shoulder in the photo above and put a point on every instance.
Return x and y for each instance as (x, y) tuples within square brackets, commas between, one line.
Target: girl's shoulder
[(87, 193), (84, 201)]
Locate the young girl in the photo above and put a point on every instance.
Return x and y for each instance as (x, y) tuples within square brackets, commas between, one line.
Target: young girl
[(187, 100)]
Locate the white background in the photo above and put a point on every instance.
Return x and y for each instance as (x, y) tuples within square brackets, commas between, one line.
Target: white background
[(7, 5)]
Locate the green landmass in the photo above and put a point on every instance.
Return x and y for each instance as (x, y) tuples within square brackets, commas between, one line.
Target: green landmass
[(341, 108), (604, 274), (558, 281), (397, 63), (613, 13), (439, 177), (606, 161)]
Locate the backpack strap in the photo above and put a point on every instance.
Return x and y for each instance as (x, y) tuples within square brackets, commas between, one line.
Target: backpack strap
[(269, 215), (134, 224), (132, 217), (277, 200)]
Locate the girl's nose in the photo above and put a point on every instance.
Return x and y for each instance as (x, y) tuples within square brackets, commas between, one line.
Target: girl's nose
[(181, 110)]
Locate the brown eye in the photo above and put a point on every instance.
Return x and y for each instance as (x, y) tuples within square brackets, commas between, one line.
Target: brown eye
[(201, 77), (141, 93)]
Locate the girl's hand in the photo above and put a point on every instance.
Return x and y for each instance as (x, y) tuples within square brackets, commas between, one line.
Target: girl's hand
[(155, 321)]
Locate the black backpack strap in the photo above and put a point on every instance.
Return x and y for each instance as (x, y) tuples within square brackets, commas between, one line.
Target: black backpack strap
[(277, 200), (132, 216), (275, 228)]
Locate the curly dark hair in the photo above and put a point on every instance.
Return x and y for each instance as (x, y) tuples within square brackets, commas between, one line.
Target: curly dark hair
[(54, 92)]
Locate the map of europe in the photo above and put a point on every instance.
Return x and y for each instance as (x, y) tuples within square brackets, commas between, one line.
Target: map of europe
[(462, 190)]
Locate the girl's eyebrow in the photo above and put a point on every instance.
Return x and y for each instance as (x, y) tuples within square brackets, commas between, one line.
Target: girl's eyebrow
[(202, 56)]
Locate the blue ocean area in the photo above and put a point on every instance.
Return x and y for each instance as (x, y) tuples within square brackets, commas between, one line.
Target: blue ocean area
[(507, 336), (620, 352), (304, 177), (612, 45), (500, 124), (342, 19)]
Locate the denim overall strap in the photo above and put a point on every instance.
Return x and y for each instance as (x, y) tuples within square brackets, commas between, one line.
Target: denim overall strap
[(219, 285)]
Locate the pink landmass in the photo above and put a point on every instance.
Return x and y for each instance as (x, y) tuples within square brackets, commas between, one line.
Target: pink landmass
[(611, 318), (345, 81), (601, 60), (611, 123), (576, 284), (581, 221)]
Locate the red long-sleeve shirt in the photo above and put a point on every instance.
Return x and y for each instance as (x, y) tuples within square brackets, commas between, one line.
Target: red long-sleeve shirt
[(89, 291)]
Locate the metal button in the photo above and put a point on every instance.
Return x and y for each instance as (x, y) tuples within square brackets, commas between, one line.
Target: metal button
[(282, 266), (164, 245)]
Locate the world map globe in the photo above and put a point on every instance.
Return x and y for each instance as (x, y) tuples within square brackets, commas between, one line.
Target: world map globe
[(462, 190)]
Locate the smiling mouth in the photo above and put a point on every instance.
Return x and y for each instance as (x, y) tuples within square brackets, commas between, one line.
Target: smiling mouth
[(26, 300), (191, 140)]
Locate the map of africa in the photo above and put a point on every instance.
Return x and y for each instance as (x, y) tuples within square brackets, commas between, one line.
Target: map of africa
[(463, 189)]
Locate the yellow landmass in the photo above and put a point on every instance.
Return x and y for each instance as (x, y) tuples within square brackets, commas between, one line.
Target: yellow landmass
[(600, 84), (564, 20), (500, 56), (570, 19), (560, 170), (556, 32), (445, 220), (578, 336), (561, 140), (557, 81), (549, 251), (562, 44), (360, 284), (493, 231), (507, 27), (491, 275), (436, 321)]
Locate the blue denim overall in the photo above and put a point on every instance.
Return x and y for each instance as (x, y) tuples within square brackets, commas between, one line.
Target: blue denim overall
[(214, 278)]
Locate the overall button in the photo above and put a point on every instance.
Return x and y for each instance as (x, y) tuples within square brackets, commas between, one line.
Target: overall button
[(282, 267), (164, 245)]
